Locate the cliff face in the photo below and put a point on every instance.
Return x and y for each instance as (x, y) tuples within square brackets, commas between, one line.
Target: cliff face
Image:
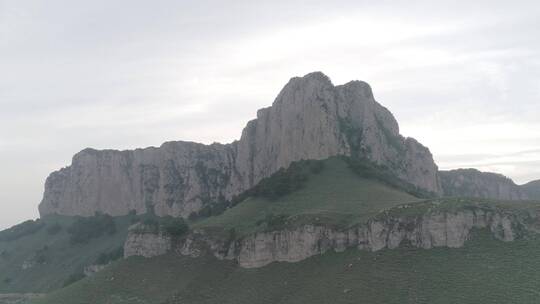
[(431, 229), (310, 119), (473, 183)]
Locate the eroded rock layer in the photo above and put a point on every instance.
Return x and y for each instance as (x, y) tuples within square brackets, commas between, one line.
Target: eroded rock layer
[(436, 228)]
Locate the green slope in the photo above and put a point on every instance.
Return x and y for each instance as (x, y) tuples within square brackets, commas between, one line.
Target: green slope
[(336, 195), (52, 257), (484, 271)]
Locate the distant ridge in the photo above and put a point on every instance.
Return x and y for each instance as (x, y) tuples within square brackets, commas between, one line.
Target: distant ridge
[(532, 189), (474, 183)]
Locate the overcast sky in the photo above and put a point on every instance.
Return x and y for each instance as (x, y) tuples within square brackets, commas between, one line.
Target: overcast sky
[(463, 78)]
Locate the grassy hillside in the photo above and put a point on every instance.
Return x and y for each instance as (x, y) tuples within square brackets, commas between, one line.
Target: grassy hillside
[(40, 256), (484, 271), (43, 256), (335, 195)]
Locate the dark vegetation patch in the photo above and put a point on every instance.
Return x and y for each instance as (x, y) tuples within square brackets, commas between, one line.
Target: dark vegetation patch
[(285, 181), (174, 226), (75, 277), (281, 183), (87, 228), (18, 231), (274, 222), (53, 229), (485, 270), (41, 255), (353, 134), (367, 169), (107, 257)]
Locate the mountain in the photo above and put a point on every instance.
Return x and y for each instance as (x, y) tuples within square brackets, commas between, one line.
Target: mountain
[(310, 119), (532, 189), (321, 200), (474, 183)]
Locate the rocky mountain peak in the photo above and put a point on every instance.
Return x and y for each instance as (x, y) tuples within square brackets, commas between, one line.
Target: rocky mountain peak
[(309, 119), (360, 88)]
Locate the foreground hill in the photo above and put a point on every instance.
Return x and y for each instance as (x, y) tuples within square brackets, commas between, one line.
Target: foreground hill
[(337, 194), (484, 271), (44, 255)]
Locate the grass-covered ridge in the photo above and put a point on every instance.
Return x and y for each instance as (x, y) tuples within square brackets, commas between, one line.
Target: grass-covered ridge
[(484, 271), (334, 194)]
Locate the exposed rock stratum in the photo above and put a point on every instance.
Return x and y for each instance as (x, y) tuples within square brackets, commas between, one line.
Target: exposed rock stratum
[(432, 228)]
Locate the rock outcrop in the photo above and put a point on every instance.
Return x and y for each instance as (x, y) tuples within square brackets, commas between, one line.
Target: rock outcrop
[(474, 183), (90, 270), (434, 228), (146, 243), (310, 119)]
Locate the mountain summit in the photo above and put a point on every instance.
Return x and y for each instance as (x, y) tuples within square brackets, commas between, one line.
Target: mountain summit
[(310, 119)]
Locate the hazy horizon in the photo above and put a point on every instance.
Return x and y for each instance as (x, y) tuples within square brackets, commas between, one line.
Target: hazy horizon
[(461, 79)]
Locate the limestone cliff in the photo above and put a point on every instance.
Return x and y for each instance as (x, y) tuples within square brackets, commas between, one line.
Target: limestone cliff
[(432, 228), (310, 119), (474, 183)]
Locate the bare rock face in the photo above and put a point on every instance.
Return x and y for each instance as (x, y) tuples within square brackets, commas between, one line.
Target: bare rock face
[(310, 119), (431, 230), (474, 183), (175, 179), (146, 243), (428, 230)]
